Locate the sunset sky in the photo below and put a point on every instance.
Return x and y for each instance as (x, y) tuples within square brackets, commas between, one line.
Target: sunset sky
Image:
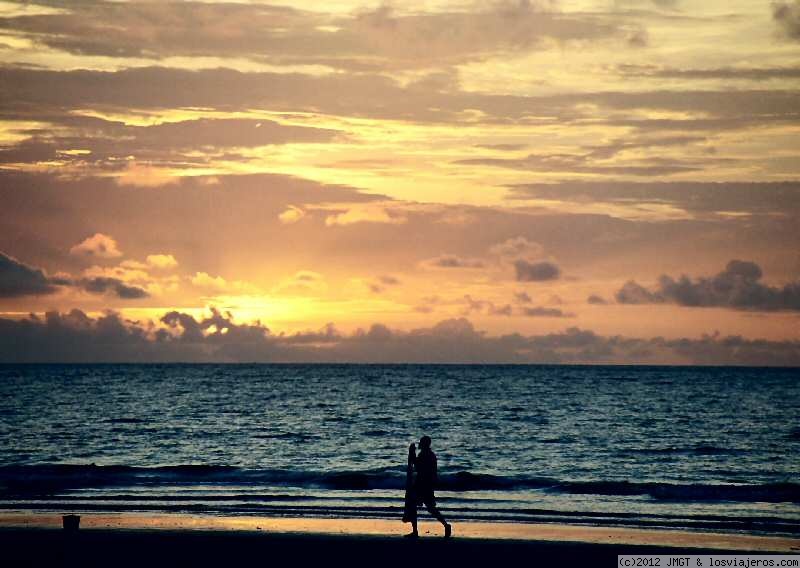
[(554, 181)]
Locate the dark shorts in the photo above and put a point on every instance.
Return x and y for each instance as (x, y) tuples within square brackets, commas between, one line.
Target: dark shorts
[(425, 496)]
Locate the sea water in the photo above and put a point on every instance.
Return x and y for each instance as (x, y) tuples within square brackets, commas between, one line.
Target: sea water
[(680, 447)]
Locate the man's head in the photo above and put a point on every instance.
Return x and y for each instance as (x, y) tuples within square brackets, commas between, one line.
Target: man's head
[(425, 443)]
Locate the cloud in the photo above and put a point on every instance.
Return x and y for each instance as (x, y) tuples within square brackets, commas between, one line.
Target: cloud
[(491, 309), (540, 311), (536, 271), (452, 261), (388, 280), (381, 283), (522, 298), (639, 38), (366, 213), (180, 337), (711, 73), (787, 16), (133, 266), (502, 147), (18, 279), (219, 285), (302, 282), (380, 38), (517, 247), (291, 215), (205, 280), (42, 94), (737, 287), (487, 307), (697, 198), (115, 286), (595, 159), (161, 261), (98, 246), (145, 175), (146, 155)]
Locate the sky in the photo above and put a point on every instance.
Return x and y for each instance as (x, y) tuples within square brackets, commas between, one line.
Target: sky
[(554, 181)]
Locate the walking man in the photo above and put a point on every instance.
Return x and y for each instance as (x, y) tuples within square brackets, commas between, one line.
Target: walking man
[(420, 490)]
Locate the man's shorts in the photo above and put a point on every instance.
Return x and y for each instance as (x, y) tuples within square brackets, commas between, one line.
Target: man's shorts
[(425, 497)]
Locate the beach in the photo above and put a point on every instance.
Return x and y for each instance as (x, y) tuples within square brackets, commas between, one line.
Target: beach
[(161, 540)]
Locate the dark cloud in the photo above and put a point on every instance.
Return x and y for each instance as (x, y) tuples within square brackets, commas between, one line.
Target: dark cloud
[(639, 38), (737, 287), (502, 147), (522, 297), (748, 73), (536, 271), (33, 93), (369, 39), (388, 280), (19, 279), (115, 286), (159, 29), (110, 144), (663, 4), (767, 198), (487, 307), (381, 283), (787, 16), (76, 337), (591, 159), (453, 261), (542, 312), (216, 330), (504, 310), (633, 293)]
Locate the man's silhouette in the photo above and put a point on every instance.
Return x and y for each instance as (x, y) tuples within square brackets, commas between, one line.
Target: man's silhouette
[(421, 492)]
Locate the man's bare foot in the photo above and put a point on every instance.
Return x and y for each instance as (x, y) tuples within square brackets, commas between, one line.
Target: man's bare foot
[(448, 531)]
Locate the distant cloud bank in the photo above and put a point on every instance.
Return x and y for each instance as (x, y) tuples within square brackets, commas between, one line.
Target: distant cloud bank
[(180, 337)]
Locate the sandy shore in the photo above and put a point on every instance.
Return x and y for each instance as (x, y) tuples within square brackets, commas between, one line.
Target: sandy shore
[(20, 547), (146, 539)]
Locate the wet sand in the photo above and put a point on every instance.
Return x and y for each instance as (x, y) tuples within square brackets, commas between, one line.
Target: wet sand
[(145, 540)]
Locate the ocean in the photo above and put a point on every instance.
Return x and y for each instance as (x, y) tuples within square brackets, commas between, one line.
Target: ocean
[(694, 448)]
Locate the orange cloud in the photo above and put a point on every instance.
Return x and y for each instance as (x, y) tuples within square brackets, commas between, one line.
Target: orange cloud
[(366, 213), (162, 261), (302, 282), (218, 284), (139, 175), (291, 215), (98, 245)]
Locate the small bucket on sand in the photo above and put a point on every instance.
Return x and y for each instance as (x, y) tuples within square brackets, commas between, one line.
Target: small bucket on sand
[(71, 522)]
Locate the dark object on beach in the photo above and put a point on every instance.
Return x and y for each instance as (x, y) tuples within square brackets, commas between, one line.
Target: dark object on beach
[(420, 490), (71, 522)]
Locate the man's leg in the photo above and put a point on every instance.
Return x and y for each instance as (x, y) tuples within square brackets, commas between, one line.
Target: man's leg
[(413, 520), (431, 506)]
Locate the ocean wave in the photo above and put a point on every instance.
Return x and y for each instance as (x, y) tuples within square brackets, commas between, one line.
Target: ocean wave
[(697, 449), (48, 479)]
